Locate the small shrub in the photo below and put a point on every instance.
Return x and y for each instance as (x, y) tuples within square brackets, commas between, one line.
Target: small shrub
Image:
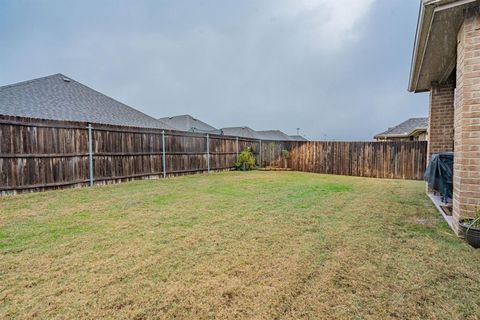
[(476, 221), (285, 156), (270, 148), (245, 160)]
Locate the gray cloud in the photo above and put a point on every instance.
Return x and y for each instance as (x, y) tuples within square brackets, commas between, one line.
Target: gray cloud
[(335, 67)]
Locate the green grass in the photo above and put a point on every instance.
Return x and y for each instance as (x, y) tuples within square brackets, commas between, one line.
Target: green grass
[(268, 245)]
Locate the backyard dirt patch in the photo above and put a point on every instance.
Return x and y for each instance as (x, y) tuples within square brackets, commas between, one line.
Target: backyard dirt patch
[(235, 245)]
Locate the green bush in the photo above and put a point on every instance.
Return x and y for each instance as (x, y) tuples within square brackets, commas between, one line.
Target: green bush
[(285, 156), (476, 221), (245, 160)]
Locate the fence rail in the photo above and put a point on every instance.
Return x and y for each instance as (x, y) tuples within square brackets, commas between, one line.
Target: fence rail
[(43, 154)]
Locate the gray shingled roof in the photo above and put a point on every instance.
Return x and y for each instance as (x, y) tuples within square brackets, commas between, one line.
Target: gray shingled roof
[(58, 97), (298, 138), (244, 132), (188, 123), (275, 135), (405, 128)]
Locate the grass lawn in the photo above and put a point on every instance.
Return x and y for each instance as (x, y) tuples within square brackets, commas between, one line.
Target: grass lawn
[(260, 245)]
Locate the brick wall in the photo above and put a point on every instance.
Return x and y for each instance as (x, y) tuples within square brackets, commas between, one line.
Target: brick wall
[(440, 119), (466, 189)]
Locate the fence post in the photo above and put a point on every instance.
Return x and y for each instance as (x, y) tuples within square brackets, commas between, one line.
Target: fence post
[(90, 155), (163, 155), (208, 153), (236, 140), (260, 156)]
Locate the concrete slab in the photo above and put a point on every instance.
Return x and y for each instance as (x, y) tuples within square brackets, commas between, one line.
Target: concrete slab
[(437, 201)]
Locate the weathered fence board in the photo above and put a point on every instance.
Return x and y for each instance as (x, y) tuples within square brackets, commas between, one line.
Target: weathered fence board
[(396, 159), (43, 154)]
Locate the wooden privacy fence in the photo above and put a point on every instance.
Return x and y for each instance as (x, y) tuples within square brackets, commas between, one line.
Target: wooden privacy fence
[(42, 154), (395, 159)]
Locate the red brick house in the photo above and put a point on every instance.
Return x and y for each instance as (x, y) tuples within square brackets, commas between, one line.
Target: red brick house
[(446, 63)]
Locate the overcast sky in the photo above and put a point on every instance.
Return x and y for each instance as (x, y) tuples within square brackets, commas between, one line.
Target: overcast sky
[(331, 67)]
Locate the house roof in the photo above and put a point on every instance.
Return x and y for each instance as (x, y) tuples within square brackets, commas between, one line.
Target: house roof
[(244, 132), (298, 138), (58, 97), (435, 47), (273, 135), (405, 128), (188, 123)]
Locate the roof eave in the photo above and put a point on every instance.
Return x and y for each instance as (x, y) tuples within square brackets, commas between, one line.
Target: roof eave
[(403, 135), (418, 130), (419, 33), (427, 13), (384, 136)]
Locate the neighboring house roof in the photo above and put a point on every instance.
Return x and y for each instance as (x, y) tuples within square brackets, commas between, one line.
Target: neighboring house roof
[(298, 138), (188, 123), (276, 135), (244, 132), (405, 128), (58, 97)]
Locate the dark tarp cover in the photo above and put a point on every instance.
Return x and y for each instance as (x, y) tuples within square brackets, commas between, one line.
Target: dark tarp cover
[(439, 174)]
